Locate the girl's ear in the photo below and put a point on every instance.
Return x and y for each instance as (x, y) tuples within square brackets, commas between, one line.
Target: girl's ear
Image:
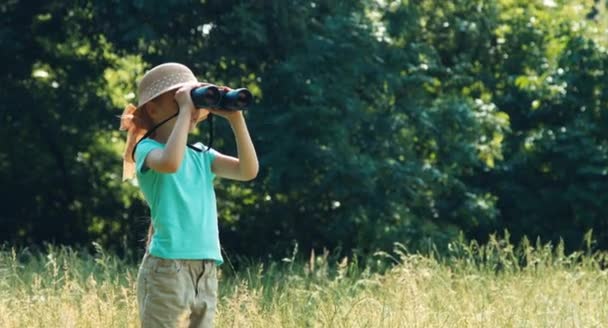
[(150, 109), (145, 115)]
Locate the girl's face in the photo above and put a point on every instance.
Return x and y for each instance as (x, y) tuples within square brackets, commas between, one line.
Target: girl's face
[(163, 106)]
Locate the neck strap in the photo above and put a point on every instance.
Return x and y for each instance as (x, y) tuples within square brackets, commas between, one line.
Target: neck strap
[(209, 119), (150, 133)]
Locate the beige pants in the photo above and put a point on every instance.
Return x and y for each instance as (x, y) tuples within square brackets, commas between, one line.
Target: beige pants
[(176, 293)]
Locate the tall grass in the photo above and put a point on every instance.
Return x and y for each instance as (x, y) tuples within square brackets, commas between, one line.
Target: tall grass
[(493, 285)]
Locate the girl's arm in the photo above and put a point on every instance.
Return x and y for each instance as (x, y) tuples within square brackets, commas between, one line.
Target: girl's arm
[(245, 167), (149, 237), (169, 159)]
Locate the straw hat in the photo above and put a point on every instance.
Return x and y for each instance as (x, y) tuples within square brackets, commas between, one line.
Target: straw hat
[(161, 79), (158, 80)]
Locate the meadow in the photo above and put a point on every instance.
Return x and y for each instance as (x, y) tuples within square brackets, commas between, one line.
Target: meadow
[(497, 284)]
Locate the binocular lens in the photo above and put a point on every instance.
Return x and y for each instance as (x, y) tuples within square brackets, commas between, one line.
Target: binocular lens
[(237, 99), (207, 96), (211, 96)]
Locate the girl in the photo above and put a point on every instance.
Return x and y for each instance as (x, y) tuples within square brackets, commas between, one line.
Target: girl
[(177, 281)]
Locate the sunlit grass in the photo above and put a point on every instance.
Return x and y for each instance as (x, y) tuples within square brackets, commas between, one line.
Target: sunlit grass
[(494, 285)]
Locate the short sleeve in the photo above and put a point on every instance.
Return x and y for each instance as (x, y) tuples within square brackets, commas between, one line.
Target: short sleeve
[(211, 154), (208, 156), (142, 151)]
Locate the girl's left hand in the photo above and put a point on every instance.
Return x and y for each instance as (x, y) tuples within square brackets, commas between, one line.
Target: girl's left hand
[(227, 114)]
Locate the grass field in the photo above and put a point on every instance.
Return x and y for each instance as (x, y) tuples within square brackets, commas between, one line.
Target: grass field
[(493, 285)]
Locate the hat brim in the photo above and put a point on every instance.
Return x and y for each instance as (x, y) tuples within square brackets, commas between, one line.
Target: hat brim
[(153, 96)]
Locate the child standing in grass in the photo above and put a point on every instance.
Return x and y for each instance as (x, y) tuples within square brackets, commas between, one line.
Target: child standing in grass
[(177, 281)]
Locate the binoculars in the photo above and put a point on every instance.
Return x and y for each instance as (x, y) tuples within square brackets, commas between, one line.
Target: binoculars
[(210, 96)]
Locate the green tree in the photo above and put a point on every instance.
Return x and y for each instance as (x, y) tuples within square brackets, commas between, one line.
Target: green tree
[(374, 121)]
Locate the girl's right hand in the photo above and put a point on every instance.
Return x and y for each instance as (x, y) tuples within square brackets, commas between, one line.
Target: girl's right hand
[(183, 99)]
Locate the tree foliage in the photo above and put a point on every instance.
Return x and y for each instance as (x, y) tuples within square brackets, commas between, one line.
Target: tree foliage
[(375, 122)]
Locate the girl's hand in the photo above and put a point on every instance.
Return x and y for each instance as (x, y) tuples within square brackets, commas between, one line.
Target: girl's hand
[(182, 95), (183, 99), (230, 115)]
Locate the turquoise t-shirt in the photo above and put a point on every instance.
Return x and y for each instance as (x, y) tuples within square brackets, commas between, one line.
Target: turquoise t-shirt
[(182, 205)]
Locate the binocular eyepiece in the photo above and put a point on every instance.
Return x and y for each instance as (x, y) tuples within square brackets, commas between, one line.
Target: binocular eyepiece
[(210, 96)]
